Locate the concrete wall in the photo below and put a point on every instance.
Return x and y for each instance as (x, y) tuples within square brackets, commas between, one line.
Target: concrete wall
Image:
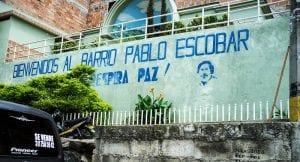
[(199, 142), (244, 71), (4, 33)]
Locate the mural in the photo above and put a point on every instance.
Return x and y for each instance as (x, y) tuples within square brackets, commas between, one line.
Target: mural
[(206, 72), (220, 65)]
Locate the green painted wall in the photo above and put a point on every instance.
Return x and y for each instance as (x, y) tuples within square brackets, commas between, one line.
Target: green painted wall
[(23, 32), (248, 72), (4, 34)]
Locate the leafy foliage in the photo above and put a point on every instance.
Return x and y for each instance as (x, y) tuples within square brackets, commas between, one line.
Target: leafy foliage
[(178, 27), (152, 104), (66, 46), (67, 92), (209, 22)]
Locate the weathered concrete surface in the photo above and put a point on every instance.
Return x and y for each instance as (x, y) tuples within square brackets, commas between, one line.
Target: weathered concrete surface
[(199, 142), (78, 150)]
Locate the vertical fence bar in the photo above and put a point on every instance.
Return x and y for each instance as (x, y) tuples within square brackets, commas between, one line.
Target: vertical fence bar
[(121, 118), (99, 36), (241, 111), (217, 116), (151, 116), (165, 114), (254, 111), (223, 107), (211, 112), (109, 118), (195, 114), (258, 10), (200, 113), (281, 110), (228, 13), (146, 117), (202, 18), (101, 117), (122, 26), (229, 113), (104, 121), (112, 118), (44, 48), (159, 122), (137, 117), (235, 112), (117, 117), (61, 44), (179, 116), (142, 117), (206, 107), (93, 118), (146, 28), (29, 51), (173, 23), (247, 109), (184, 110), (133, 117), (169, 114), (79, 41), (267, 109), (155, 116), (174, 116), (15, 49), (97, 118)]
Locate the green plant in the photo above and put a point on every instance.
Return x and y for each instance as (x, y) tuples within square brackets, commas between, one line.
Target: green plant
[(195, 24), (278, 113), (97, 42), (69, 92), (66, 46), (153, 107), (209, 22), (178, 27)]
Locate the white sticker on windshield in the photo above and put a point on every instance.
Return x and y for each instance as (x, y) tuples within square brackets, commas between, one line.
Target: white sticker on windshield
[(44, 140)]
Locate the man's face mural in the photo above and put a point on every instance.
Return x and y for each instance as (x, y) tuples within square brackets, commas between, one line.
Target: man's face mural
[(205, 71)]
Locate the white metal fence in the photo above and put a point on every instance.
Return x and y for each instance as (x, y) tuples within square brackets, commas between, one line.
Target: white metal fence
[(244, 112), (117, 33)]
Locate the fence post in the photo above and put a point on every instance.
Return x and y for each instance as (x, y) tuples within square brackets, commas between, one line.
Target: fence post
[(15, 49), (61, 43), (28, 55), (228, 13), (45, 44), (146, 28), (202, 17), (79, 41), (173, 23), (121, 39), (258, 10)]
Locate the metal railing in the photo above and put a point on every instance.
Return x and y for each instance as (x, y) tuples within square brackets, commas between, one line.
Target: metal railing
[(242, 112), (119, 33)]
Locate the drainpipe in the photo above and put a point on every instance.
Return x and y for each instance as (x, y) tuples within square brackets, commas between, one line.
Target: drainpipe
[(295, 61)]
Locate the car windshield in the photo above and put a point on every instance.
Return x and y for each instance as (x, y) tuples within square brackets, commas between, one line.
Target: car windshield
[(26, 135)]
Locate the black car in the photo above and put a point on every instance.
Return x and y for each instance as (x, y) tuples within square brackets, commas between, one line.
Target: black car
[(28, 135)]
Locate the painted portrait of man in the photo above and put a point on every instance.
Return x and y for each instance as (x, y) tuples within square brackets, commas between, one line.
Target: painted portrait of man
[(206, 72)]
